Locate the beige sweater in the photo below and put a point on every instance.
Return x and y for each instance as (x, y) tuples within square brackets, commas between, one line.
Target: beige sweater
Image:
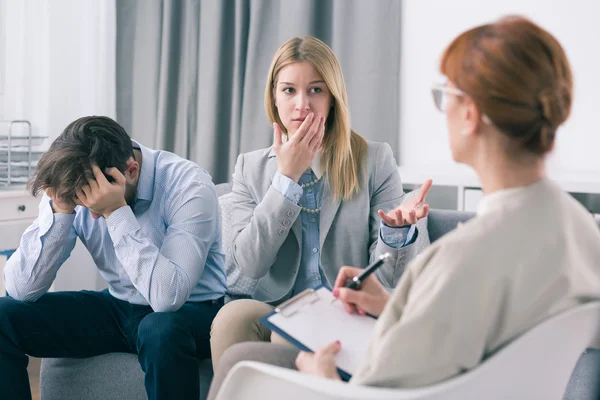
[(530, 253)]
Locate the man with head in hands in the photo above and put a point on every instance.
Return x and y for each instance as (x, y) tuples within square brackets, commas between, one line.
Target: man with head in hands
[(151, 222)]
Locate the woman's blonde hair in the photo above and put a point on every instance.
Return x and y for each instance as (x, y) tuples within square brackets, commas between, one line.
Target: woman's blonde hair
[(343, 149)]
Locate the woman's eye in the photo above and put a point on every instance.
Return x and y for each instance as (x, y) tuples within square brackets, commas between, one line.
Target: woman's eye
[(288, 90), (316, 90)]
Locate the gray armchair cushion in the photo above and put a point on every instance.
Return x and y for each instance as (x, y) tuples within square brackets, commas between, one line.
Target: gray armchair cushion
[(110, 376), (223, 188), (113, 376), (585, 381), (441, 222)]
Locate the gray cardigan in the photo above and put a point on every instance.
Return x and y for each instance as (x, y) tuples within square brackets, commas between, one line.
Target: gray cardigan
[(267, 229)]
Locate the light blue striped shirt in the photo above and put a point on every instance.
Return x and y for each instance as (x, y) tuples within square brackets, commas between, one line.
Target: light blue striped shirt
[(310, 274), (162, 251)]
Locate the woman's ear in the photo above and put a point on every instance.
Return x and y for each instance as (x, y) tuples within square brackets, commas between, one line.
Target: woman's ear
[(471, 115)]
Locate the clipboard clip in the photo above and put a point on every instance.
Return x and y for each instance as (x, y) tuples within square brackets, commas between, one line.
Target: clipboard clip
[(297, 303)]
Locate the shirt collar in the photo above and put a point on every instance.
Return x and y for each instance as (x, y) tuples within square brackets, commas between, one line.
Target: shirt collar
[(499, 199), (316, 165), (145, 185)]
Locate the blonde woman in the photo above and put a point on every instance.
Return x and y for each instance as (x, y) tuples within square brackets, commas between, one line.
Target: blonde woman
[(319, 198), (531, 252)]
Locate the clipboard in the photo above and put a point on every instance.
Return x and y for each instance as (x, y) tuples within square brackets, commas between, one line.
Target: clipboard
[(312, 320)]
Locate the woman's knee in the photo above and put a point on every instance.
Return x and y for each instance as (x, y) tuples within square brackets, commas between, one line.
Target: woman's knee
[(240, 317), (268, 353), (237, 322)]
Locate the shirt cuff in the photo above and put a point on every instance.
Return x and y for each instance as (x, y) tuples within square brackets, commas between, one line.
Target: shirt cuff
[(287, 187), (53, 223), (396, 237), (121, 222)]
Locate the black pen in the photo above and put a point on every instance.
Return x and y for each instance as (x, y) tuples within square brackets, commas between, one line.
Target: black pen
[(355, 283)]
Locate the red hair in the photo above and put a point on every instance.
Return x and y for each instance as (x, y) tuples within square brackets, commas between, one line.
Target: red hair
[(518, 75)]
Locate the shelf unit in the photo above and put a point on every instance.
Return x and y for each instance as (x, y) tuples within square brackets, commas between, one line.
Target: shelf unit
[(20, 151)]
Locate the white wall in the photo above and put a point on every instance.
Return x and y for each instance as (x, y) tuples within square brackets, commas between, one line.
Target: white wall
[(428, 26), (59, 61)]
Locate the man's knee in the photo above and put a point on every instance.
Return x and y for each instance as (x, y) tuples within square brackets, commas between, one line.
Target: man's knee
[(159, 329), (9, 310)]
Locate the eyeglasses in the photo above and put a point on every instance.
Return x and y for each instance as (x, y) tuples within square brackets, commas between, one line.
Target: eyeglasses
[(440, 93)]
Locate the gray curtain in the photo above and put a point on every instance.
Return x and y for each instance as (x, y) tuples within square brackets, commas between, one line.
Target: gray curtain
[(191, 73)]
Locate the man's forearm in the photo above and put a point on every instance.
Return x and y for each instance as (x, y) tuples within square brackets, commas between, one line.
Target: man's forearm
[(43, 248)]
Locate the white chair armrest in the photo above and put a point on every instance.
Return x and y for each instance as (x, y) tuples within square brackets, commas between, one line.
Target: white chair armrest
[(253, 380)]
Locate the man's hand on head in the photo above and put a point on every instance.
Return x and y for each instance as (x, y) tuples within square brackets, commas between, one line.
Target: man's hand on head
[(102, 196)]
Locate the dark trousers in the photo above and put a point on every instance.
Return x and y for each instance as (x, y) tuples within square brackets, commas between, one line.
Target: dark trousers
[(82, 324)]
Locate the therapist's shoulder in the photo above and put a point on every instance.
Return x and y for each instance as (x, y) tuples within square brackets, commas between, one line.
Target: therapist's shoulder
[(476, 247)]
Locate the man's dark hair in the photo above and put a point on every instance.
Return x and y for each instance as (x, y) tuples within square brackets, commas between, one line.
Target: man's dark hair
[(66, 166)]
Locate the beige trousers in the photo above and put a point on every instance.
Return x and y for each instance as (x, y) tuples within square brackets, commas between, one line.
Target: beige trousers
[(267, 353), (237, 322)]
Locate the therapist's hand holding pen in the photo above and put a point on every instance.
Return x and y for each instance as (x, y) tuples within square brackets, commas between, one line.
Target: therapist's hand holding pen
[(371, 297)]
